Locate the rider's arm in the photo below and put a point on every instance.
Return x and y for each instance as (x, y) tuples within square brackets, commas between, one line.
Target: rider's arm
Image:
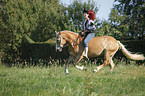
[(91, 26)]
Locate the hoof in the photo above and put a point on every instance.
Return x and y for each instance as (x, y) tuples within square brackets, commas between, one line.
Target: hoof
[(66, 73), (86, 57), (95, 71), (85, 68)]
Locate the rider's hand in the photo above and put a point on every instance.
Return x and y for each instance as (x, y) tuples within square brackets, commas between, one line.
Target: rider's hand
[(86, 31), (83, 33)]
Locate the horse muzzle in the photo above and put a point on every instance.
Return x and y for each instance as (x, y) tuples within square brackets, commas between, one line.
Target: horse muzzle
[(59, 49)]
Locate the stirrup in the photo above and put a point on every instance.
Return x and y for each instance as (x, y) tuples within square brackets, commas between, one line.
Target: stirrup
[(86, 56)]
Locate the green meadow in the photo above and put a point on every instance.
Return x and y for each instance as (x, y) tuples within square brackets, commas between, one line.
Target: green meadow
[(125, 80)]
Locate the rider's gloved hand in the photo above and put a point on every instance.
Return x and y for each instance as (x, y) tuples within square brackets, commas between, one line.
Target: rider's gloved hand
[(80, 33)]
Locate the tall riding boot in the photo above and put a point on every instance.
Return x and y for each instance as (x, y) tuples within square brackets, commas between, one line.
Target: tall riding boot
[(86, 52)]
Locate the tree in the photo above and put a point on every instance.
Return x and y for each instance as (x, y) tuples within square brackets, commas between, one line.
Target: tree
[(119, 26), (134, 9), (38, 19), (74, 14)]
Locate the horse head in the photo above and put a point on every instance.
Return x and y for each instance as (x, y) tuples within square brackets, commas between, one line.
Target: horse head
[(60, 41)]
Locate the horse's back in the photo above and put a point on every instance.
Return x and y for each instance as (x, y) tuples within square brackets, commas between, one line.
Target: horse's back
[(105, 37), (103, 40)]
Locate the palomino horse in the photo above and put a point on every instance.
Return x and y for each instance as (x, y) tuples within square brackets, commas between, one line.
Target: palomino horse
[(106, 45)]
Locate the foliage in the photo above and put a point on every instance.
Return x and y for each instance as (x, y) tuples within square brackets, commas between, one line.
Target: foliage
[(74, 13), (52, 81), (126, 19), (104, 28), (118, 23), (135, 15), (38, 19), (115, 26)]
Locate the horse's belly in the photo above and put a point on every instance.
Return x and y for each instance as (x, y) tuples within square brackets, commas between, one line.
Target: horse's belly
[(96, 48), (95, 53)]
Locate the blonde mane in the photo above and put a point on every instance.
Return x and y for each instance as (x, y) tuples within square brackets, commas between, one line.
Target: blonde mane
[(70, 34)]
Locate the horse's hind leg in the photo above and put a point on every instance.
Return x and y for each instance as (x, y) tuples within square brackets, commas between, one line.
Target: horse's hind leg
[(106, 61), (111, 61)]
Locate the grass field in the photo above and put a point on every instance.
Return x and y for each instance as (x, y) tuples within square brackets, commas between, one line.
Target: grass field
[(125, 80)]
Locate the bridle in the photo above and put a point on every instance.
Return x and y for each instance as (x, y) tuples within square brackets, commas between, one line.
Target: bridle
[(70, 42)]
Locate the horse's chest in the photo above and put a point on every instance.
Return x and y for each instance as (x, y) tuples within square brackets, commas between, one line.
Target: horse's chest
[(73, 53)]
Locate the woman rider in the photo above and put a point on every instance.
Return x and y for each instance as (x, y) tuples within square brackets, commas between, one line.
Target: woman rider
[(89, 29)]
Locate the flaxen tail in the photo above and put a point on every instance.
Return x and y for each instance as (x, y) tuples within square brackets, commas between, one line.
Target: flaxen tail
[(129, 54)]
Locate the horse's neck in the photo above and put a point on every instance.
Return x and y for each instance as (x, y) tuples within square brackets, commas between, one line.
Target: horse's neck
[(70, 35), (75, 42)]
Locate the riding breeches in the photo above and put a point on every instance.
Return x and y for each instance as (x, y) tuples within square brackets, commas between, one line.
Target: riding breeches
[(88, 39)]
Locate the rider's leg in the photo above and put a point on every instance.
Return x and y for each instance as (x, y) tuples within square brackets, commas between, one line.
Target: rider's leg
[(85, 53), (86, 41)]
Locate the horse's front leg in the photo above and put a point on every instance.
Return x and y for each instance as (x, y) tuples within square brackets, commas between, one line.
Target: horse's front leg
[(77, 59), (66, 65)]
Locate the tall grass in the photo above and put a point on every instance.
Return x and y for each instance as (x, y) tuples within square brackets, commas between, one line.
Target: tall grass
[(52, 81)]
